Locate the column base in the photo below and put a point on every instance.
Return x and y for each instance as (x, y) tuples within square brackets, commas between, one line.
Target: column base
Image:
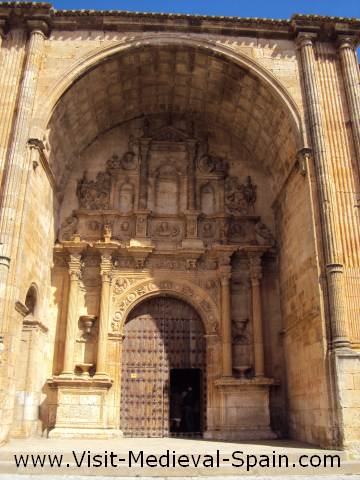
[(85, 432), (244, 411), (78, 408)]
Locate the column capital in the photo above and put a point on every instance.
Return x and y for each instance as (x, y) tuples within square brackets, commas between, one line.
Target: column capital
[(225, 274), (305, 39), (344, 41), (37, 26), (75, 265), (255, 266), (106, 266)]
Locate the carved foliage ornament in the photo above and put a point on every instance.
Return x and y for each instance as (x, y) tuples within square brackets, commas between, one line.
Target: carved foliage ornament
[(240, 198), (94, 194), (139, 291)]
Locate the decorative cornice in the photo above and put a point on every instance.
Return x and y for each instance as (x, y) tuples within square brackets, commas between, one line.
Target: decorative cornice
[(120, 20)]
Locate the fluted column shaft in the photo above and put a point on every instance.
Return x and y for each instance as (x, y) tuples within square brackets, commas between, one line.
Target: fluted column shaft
[(72, 314), (351, 76), (226, 334), (191, 187), (257, 321), (326, 189), (18, 161), (143, 174), (105, 270)]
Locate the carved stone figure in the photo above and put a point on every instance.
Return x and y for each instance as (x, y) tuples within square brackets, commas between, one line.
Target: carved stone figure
[(212, 164), (164, 229), (241, 335), (107, 232), (113, 162), (250, 193), (263, 234), (121, 284), (128, 161), (94, 194), (69, 227), (239, 198)]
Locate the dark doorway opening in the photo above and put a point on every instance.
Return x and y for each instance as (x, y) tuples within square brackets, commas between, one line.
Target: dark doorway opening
[(185, 402)]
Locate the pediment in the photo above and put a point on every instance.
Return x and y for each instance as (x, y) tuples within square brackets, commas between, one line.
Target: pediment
[(170, 134)]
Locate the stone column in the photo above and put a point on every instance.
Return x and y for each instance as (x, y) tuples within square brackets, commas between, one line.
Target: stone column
[(351, 76), (75, 265), (105, 271), (143, 180), (326, 189), (191, 186), (226, 334), (258, 337), (18, 160)]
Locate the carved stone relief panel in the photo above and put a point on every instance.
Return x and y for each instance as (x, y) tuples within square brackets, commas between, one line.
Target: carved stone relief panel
[(167, 229), (240, 198), (241, 321)]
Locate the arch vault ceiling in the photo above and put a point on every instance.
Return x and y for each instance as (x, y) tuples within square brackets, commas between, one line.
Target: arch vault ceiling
[(177, 80)]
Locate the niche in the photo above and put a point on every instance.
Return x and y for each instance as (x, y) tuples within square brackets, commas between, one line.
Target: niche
[(207, 199), (167, 190), (126, 197)]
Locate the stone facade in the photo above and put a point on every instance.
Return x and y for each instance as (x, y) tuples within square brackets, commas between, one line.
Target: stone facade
[(212, 160)]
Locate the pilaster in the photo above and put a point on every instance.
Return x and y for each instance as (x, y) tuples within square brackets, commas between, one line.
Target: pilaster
[(258, 337), (105, 272), (18, 160), (350, 70), (326, 188), (75, 265)]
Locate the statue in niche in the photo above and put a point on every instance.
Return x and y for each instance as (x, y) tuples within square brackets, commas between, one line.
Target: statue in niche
[(207, 199), (250, 193), (239, 198), (263, 234), (69, 227), (94, 194), (126, 197)]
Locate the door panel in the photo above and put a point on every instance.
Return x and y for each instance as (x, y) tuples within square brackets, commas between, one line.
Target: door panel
[(160, 334)]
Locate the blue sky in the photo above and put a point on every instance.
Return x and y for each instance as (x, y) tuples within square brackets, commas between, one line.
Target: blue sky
[(241, 8)]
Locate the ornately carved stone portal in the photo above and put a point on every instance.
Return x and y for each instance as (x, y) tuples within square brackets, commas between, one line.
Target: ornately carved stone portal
[(166, 215), (175, 179), (167, 186)]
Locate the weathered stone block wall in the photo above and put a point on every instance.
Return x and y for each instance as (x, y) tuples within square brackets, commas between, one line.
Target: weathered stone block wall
[(302, 311)]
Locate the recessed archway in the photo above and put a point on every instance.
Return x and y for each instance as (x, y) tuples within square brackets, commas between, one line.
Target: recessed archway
[(163, 337)]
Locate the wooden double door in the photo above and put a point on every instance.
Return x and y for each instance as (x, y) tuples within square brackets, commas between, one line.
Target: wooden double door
[(163, 335)]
